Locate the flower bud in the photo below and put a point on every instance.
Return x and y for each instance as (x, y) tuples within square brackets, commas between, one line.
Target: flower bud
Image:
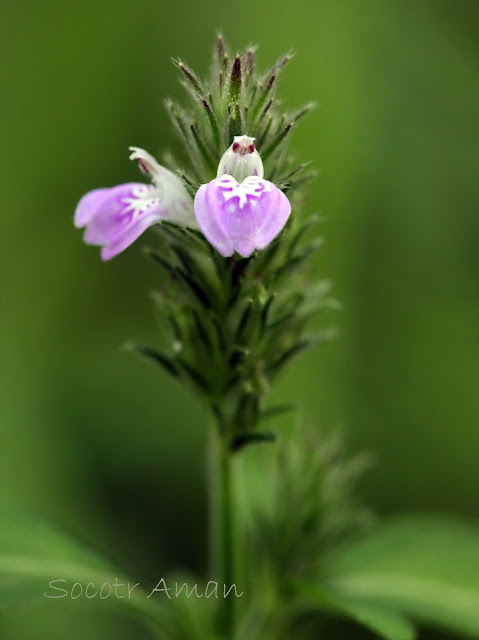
[(241, 160)]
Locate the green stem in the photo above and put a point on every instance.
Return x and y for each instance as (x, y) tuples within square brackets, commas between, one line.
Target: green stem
[(222, 546)]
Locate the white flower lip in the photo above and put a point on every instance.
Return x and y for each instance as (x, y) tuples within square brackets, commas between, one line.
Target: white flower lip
[(241, 160), (147, 163)]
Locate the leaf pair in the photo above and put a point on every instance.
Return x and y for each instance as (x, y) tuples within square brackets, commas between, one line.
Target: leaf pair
[(420, 568), (414, 568)]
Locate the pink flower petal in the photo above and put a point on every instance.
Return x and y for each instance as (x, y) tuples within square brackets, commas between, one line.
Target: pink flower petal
[(121, 208), (127, 236), (88, 206), (115, 217), (241, 217), (210, 224)]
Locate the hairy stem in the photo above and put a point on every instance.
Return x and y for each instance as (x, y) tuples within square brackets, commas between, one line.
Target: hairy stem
[(222, 544)]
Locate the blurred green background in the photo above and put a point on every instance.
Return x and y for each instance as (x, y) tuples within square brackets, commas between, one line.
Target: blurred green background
[(112, 449)]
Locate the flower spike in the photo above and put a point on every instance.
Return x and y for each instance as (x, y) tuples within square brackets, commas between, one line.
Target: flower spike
[(115, 217)]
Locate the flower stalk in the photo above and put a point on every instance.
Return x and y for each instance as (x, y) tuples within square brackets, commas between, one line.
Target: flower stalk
[(222, 527)]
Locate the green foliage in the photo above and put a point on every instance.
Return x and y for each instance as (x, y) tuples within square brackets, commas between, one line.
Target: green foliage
[(412, 568), (385, 623), (311, 503), (303, 539), (229, 326), (237, 100), (34, 552), (424, 567), (235, 323)]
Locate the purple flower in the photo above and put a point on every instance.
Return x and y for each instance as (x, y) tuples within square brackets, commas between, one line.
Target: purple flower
[(240, 217), (115, 217), (239, 210)]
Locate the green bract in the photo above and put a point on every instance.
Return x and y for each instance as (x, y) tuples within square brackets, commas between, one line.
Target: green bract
[(236, 100)]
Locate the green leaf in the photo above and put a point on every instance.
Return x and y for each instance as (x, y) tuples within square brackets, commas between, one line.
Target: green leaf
[(158, 358), (276, 410), (424, 567), (385, 623), (33, 553), (252, 437)]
